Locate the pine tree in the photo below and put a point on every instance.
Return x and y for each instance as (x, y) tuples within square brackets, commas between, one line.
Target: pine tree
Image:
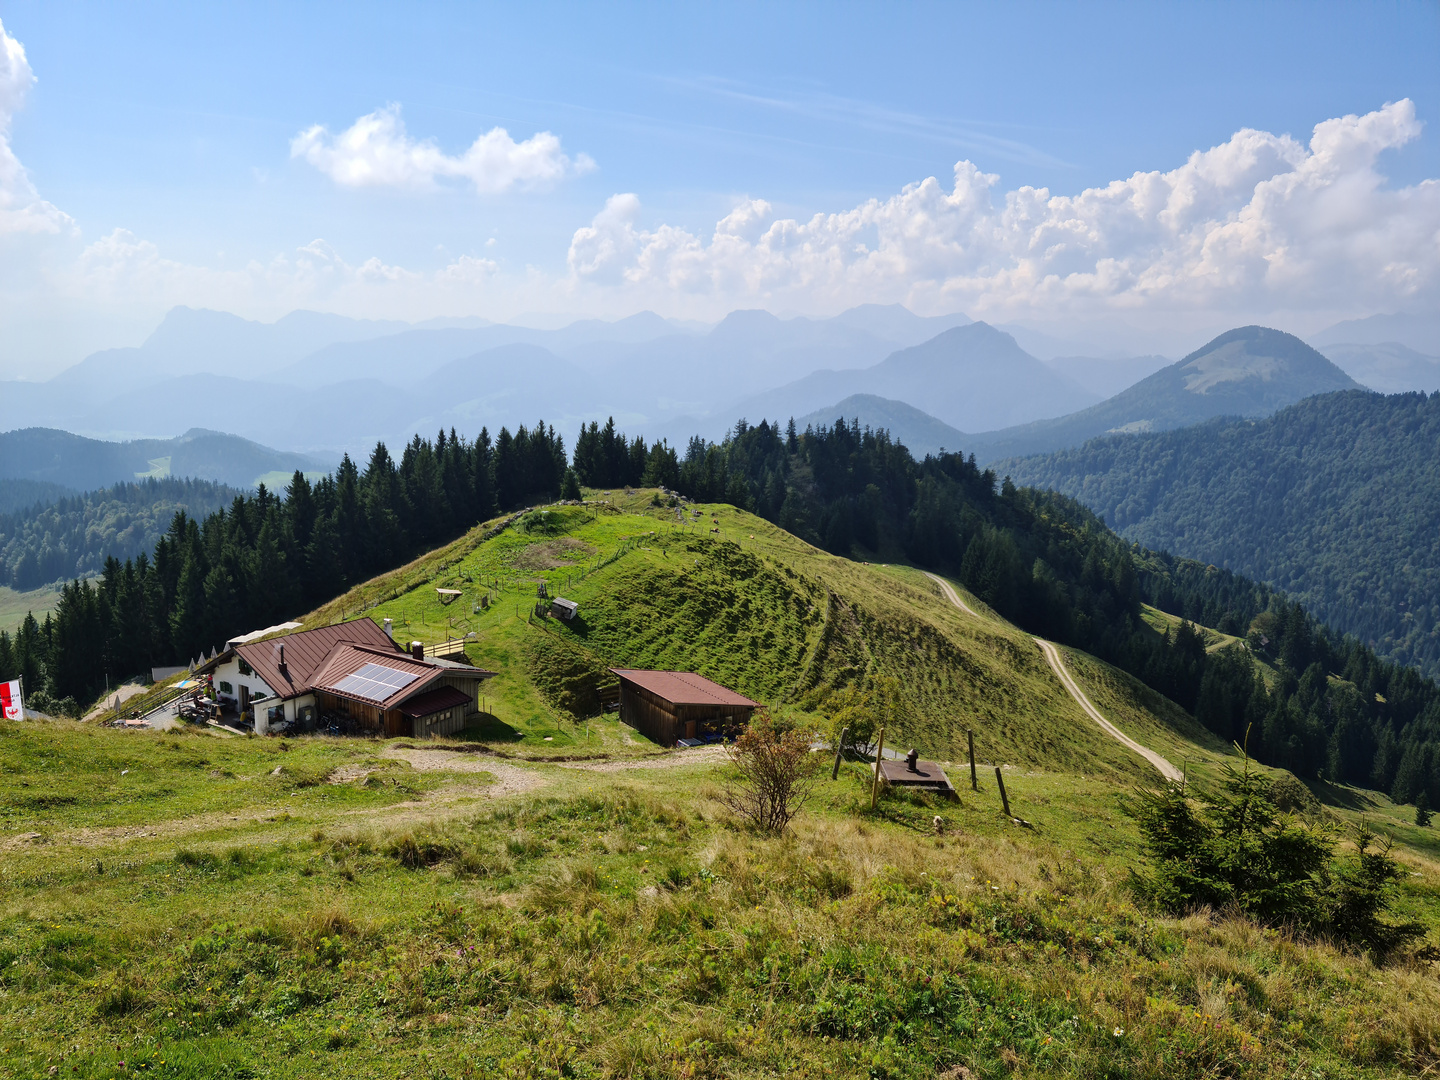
[(187, 619), (570, 487), (482, 471), (1422, 809), (383, 509), (324, 576), (300, 509), (507, 470)]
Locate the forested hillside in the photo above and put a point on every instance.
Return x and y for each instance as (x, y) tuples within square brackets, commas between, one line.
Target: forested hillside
[(72, 536), (1334, 500), (1040, 559), (82, 464), (25, 494), (258, 558)]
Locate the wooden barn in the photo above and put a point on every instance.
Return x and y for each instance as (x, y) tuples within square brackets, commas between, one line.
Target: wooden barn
[(667, 706)]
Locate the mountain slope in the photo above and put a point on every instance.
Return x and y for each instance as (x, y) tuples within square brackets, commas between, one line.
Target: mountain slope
[(1420, 332), (73, 536), (1305, 500), (760, 611), (975, 378), (1249, 371), (23, 494), (972, 377), (918, 431), (58, 457)]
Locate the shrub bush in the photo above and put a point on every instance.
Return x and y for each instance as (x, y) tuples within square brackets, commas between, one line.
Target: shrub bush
[(1239, 850), (777, 774)]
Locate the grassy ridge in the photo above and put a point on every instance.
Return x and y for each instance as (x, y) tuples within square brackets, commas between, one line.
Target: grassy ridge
[(751, 606), (194, 906)]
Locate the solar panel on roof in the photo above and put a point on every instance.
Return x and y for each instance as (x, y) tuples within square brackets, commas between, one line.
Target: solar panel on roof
[(374, 682)]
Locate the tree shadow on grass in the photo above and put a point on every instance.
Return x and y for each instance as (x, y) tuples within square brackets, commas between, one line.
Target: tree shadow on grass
[(487, 727), (1347, 798)]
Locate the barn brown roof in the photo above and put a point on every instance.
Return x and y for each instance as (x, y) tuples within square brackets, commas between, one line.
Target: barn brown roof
[(684, 687), (433, 701)]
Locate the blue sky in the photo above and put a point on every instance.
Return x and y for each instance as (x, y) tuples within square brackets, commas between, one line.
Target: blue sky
[(178, 125)]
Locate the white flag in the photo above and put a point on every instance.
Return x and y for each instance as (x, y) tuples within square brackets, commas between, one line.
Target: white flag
[(11, 707)]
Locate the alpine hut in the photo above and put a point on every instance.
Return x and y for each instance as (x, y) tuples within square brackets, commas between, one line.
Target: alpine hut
[(670, 706), (354, 669)]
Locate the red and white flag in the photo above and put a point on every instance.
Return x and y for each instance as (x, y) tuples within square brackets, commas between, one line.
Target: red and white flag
[(11, 706)]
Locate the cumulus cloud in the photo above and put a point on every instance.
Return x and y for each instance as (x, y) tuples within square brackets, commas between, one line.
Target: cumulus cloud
[(1260, 221), (376, 151), (21, 208)]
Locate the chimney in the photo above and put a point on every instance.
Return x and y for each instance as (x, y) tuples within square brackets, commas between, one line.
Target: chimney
[(417, 650), (282, 657), (390, 628)]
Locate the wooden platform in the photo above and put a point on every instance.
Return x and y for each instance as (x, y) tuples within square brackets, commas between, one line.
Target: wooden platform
[(928, 776)]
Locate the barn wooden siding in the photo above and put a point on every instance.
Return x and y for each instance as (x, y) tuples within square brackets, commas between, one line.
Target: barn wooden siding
[(449, 722), (664, 722), (369, 717), (468, 686), (393, 722)]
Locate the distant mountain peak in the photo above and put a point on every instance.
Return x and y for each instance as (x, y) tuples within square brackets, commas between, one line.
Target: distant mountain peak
[(1249, 371), (1256, 352), (747, 317)]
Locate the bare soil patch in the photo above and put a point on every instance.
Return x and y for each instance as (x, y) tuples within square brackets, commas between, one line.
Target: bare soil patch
[(509, 780), (552, 554)]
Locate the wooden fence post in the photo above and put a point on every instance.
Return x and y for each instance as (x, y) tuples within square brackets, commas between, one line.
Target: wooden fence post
[(1003, 800), (875, 783), (970, 736), (839, 748)]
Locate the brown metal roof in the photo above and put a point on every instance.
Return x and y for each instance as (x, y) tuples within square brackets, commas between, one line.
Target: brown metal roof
[(433, 701), (306, 653), (321, 657), (684, 687), (348, 659)]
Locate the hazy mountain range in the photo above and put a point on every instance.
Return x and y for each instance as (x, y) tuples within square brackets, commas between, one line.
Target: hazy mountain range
[(323, 383), (1249, 371)]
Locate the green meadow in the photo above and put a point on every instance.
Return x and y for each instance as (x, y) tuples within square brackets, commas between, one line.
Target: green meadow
[(553, 896), (15, 605)]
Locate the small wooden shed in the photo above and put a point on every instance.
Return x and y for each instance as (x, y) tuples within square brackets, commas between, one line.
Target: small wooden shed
[(666, 706)]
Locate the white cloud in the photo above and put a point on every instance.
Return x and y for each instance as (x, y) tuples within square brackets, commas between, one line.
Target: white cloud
[(1261, 222), (376, 151), (1264, 227), (122, 270), (21, 208)]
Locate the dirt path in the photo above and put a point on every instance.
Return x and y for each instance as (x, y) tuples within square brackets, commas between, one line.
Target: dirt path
[(124, 692), (699, 755), (509, 779), (1057, 665), (1052, 656)]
